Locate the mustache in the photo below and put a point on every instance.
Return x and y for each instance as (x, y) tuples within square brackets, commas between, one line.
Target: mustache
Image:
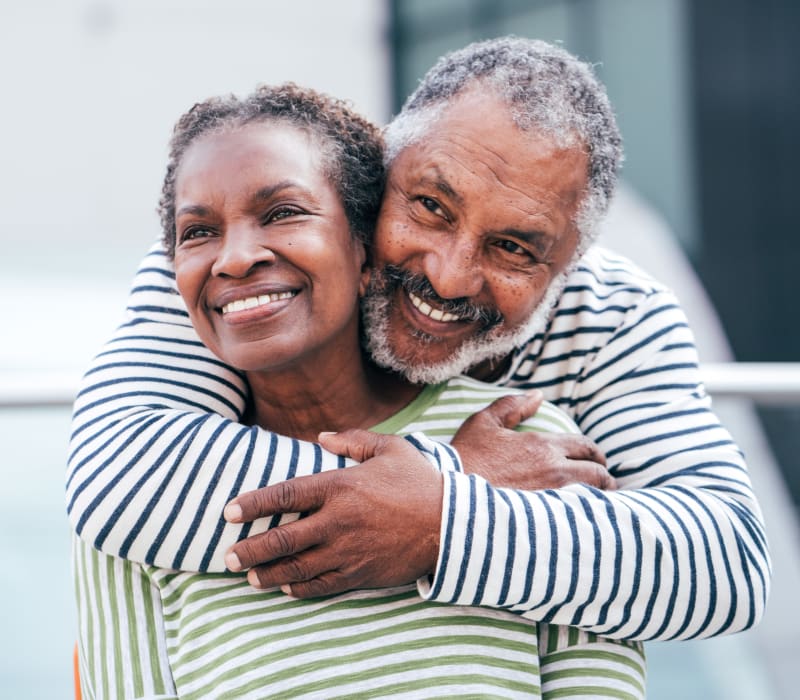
[(391, 277)]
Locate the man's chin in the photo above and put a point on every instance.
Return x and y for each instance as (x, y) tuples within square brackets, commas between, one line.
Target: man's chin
[(423, 359), (426, 360)]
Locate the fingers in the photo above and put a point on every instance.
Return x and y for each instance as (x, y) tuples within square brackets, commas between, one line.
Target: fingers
[(592, 474), (509, 411), (298, 577), (328, 583), (580, 447), (359, 445), (280, 542), (294, 496)]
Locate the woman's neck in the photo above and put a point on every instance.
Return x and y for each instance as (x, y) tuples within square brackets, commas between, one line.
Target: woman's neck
[(302, 402)]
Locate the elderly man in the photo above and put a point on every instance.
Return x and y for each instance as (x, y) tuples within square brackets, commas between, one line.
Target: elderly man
[(500, 166)]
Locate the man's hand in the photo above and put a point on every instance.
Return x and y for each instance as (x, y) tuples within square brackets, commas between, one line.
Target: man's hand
[(369, 526), (490, 447)]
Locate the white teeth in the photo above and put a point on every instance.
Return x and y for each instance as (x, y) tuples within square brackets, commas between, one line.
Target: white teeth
[(252, 302), (427, 310)]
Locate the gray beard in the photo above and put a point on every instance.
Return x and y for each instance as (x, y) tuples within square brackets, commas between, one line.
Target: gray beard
[(494, 343)]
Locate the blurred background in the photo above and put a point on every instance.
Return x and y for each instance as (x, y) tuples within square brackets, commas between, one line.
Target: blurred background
[(708, 102)]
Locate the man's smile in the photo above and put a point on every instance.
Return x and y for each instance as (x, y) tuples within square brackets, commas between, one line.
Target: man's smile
[(426, 309)]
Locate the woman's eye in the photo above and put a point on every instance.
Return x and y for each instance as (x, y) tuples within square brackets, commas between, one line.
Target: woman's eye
[(282, 213), (194, 232)]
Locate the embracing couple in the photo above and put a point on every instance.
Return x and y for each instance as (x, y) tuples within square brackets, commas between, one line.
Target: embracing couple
[(321, 283)]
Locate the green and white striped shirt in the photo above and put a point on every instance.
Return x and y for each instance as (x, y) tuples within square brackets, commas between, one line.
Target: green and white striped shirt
[(148, 632)]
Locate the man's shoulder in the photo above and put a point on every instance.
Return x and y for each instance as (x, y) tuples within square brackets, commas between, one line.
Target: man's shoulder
[(604, 298), (602, 272), (154, 295), (604, 292)]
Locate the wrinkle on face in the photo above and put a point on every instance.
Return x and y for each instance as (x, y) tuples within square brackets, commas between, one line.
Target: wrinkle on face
[(511, 199)]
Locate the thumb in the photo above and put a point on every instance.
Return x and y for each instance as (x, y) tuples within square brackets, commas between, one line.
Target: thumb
[(509, 411), (359, 445)]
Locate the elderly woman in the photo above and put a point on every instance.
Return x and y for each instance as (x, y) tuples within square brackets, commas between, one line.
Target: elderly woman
[(267, 207)]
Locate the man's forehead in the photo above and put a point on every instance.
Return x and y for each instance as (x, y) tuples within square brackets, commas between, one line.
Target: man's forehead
[(517, 159)]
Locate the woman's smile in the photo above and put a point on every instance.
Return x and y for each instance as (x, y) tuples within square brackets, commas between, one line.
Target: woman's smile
[(253, 302), (265, 258)]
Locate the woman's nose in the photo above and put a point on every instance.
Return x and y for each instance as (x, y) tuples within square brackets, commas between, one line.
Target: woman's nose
[(242, 249)]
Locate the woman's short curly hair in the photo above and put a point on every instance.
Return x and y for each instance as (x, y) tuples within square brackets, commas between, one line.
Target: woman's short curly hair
[(351, 148)]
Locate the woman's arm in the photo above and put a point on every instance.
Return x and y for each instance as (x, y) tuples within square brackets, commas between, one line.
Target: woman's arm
[(122, 644)]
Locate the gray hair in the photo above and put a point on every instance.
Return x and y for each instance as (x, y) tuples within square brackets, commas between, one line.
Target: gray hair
[(546, 88)]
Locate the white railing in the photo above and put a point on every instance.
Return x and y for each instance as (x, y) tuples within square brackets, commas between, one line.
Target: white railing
[(762, 382)]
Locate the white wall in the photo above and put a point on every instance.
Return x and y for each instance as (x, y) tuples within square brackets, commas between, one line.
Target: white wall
[(91, 89)]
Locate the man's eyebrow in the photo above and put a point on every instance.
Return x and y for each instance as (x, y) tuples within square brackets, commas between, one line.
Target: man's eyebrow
[(436, 178)]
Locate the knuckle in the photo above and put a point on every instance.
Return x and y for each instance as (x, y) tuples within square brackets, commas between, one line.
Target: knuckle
[(246, 553), (295, 570), (284, 496), (308, 589), (281, 542), (609, 483), (506, 403)]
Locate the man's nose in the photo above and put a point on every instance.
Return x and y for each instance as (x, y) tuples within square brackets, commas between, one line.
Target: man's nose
[(454, 270), (243, 247)]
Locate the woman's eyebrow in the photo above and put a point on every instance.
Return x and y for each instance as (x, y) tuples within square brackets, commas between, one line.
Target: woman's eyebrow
[(193, 209), (271, 190)]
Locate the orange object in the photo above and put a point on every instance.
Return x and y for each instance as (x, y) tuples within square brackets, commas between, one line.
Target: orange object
[(76, 673)]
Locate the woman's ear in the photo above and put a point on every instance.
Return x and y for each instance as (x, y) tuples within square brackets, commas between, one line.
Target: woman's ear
[(366, 272)]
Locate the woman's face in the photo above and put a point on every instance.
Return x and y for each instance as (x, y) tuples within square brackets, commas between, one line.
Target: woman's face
[(264, 258)]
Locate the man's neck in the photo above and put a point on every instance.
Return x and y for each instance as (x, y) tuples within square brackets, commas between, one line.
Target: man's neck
[(490, 370)]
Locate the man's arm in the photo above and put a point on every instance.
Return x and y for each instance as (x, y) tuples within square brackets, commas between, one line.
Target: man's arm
[(156, 450), (679, 551)]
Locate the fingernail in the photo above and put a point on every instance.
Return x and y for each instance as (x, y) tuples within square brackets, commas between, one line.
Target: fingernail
[(232, 562), (287, 589), (324, 433), (252, 579), (232, 512)]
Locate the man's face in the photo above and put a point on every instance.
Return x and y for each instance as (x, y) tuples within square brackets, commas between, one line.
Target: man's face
[(477, 221)]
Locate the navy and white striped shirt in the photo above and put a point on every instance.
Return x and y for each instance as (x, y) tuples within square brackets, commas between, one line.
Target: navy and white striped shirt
[(678, 552)]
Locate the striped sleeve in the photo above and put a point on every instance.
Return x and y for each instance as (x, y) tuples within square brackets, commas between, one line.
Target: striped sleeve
[(121, 637), (156, 450), (678, 552)]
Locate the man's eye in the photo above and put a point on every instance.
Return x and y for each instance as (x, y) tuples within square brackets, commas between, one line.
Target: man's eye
[(512, 247), (431, 205)]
